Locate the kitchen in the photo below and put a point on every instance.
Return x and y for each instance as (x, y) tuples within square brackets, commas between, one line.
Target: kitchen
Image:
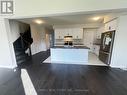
[(74, 39), (69, 47), (93, 33)]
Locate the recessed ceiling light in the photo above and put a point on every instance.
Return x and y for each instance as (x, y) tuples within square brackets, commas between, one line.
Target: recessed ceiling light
[(96, 18), (38, 21)]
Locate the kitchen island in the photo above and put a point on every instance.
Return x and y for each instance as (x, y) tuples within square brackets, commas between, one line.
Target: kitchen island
[(73, 55)]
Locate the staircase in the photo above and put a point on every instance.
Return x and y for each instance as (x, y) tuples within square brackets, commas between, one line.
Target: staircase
[(21, 56), (20, 46)]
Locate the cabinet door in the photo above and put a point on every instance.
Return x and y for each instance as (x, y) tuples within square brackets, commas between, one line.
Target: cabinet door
[(80, 33), (59, 34), (65, 32), (112, 25), (99, 32), (70, 32), (77, 33)]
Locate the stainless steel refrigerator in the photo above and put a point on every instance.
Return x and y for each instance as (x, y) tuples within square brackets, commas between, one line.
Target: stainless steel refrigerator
[(107, 40)]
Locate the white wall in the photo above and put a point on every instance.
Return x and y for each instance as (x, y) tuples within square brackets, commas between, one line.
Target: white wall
[(16, 28), (96, 25), (6, 59), (39, 42), (119, 56), (47, 39), (45, 7), (13, 30)]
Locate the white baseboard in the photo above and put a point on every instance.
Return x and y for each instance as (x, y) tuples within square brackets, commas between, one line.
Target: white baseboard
[(121, 67), (8, 67)]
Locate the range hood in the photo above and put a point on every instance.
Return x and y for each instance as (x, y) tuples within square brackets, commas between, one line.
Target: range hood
[(68, 41), (68, 38)]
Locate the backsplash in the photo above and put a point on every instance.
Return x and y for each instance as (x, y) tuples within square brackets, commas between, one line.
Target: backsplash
[(75, 42)]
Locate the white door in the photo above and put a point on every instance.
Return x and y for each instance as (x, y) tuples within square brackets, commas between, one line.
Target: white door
[(89, 38)]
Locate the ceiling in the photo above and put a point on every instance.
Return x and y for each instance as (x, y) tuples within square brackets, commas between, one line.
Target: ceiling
[(68, 19)]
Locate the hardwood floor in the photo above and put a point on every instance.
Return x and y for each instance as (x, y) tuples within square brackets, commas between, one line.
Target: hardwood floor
[(61, 79)]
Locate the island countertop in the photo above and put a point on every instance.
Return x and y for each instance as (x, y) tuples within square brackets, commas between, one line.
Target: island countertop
[(74, 47)]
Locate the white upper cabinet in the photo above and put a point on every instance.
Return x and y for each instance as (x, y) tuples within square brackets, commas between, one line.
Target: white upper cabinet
[(99, 32), (109, 26), (76, 33), (67, 32), (70, 32), (59, 34), (112, 25)]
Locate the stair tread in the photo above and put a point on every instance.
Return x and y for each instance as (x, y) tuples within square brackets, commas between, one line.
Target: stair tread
[(22, 61), (21, 57)]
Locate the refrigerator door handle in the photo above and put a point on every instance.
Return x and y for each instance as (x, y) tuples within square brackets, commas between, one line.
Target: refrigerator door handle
[(104, 42)]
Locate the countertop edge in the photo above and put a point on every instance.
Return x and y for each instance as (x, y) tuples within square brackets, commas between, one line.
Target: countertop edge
[(75, 47)]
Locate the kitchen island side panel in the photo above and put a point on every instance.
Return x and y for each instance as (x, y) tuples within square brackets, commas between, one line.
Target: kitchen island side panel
[(69, 55)]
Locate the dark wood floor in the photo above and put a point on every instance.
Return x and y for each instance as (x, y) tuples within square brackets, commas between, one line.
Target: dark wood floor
[(61, 79)]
